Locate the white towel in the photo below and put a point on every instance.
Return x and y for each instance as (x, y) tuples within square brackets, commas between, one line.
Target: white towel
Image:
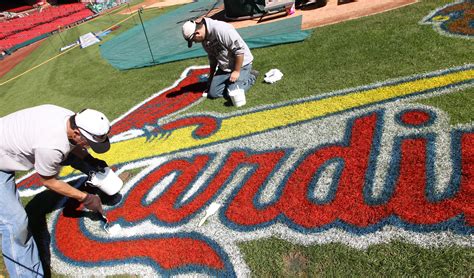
[(273, 76)]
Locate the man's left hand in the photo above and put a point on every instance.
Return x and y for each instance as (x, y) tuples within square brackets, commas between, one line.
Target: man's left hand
[(96, 163), (234, 76)]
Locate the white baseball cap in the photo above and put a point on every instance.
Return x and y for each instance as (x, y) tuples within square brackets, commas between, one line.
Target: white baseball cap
[(189, 29), (94, 126)]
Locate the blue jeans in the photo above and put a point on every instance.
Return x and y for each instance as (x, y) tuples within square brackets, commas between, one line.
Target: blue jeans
[(220, 82), (19, 249)]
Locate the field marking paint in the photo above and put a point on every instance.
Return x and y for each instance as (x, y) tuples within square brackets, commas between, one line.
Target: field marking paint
[(453, 19), (360, 166)]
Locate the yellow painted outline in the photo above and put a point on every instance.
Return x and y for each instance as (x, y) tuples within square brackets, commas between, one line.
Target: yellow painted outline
[(440, 18), (254, 122)]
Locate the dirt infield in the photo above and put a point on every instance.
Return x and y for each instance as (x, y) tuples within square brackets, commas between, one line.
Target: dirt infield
[(313, 16), (148, 4), (11, 61), (331, 13)]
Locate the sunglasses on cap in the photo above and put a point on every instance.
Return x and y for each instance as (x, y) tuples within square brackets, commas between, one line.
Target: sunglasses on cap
[(192, 35), (97, 138), (190, 38)]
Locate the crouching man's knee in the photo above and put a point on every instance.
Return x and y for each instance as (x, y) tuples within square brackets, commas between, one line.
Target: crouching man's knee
[(213, 94)]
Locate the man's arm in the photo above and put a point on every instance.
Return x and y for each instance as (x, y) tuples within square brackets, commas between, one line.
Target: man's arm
[(63, 188), (90, 201), (234, 43), (239, 59), (84, 155), (80, 152), (47, 163), (212, 70)]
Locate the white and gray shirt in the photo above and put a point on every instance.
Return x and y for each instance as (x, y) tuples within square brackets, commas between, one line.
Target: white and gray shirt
[(223, 42), (35, 138)]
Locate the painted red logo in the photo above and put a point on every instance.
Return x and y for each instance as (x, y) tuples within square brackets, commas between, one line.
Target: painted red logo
[(350, 173)]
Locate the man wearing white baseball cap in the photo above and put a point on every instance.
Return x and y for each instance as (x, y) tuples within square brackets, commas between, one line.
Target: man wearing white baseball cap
[(94, 126), (229, 56), (43, 138)]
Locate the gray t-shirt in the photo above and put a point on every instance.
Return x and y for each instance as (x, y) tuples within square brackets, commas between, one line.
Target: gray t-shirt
[(35, 138), (223, 42)]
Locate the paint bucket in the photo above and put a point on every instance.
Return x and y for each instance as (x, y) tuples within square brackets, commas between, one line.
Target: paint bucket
[(238, 97), (107, 181)]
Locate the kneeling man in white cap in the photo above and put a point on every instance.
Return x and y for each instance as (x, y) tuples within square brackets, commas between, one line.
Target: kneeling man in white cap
[(229, 56), (43, 138)]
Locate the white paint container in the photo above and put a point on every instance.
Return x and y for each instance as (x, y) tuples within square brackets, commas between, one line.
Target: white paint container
[(238, 97), (107, 181)]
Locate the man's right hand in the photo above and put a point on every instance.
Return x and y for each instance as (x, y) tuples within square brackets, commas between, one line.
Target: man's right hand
[(92, 202)]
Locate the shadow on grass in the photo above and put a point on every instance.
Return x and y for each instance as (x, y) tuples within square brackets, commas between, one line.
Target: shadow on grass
[(37, 209), (48, 201), (194, 88), (191, 88)]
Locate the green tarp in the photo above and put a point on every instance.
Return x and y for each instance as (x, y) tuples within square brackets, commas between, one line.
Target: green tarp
[(25, 43), (130, 49)]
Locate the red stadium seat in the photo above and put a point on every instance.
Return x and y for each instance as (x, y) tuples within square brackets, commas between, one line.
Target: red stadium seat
[(19, 30)]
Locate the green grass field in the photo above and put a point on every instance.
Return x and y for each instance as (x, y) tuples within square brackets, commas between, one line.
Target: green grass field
[(344, 55), (396, 259)]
